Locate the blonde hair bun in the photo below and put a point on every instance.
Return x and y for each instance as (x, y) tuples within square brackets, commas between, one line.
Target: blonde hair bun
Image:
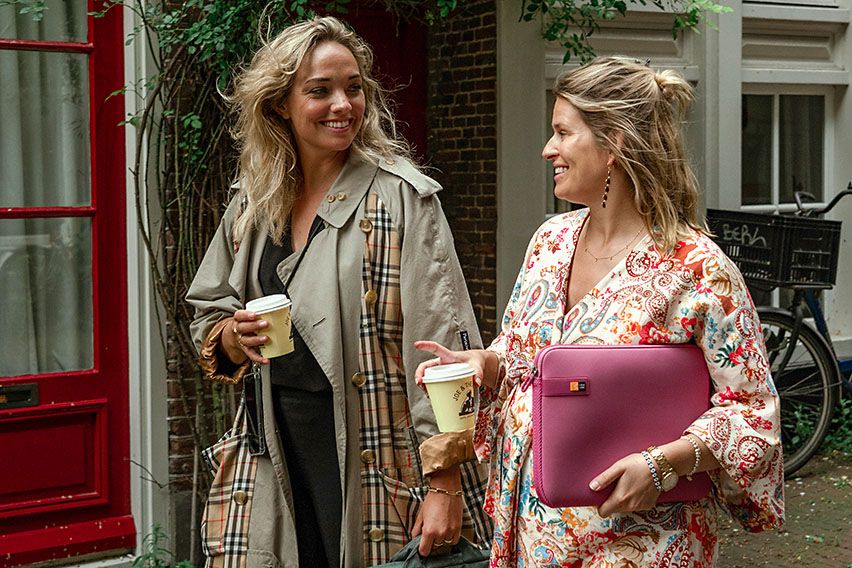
[(675, 89)]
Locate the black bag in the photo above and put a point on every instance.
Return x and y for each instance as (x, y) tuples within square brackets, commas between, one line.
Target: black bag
[(463, 555)]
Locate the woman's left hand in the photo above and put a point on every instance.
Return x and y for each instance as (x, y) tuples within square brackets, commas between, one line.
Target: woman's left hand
[(634, 487), (439, 521)]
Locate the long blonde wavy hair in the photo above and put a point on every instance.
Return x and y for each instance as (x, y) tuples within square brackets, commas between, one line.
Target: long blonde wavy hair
[(636, 113), (269, 173)]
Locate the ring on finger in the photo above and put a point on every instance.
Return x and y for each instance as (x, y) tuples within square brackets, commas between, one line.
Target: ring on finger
[(238, 335), (447, 541)]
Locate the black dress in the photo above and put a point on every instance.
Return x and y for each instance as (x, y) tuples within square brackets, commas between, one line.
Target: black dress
[(304, 413)]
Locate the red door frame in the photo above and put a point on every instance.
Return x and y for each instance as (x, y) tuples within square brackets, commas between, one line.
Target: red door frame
[(95, 400)]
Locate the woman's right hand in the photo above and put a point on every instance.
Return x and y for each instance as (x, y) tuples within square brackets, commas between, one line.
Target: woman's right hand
[(484, 362), (242, 339)]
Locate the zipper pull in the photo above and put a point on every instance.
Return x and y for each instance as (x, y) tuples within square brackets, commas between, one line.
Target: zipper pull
[(530, 378)]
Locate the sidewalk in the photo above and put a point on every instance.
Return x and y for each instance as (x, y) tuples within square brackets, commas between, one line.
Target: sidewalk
[(818, 532)]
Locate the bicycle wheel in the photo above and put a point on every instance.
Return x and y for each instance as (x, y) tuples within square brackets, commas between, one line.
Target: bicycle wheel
[(807, 385)]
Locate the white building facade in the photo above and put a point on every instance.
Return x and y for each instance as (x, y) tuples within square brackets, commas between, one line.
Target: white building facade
[(772, 115)]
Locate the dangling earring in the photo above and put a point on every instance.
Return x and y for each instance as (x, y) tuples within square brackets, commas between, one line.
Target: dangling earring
[(606, 187)]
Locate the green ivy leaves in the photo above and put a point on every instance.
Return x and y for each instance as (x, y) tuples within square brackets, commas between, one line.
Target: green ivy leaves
[(572, 24)]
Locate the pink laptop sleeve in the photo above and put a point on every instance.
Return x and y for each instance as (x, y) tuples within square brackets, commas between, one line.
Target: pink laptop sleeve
[(595, 404)]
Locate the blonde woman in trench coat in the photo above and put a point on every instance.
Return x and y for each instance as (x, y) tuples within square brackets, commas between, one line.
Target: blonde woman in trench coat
[(370, 268)]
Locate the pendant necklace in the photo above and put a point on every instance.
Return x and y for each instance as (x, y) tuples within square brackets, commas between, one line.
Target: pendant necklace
[(616, 253)]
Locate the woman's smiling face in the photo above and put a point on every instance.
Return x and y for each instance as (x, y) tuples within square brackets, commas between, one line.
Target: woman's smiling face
[(326, 105), (579, 162)]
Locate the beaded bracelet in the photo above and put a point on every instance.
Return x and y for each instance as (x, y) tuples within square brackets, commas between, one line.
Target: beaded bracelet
[(650, 461), (458, 493), (697, 451)]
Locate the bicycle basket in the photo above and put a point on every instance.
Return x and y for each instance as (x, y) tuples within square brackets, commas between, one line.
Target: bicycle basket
[(779, 250)]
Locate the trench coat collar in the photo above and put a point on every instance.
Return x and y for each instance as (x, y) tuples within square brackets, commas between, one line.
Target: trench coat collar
[(347, 191), (355, 179)]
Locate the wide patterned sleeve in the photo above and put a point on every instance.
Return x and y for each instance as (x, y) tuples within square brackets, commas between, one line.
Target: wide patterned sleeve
[(742, 427), (512, 368)]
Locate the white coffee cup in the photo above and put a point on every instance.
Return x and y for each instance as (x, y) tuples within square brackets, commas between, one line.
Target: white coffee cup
[(450, 389), (275, 311)]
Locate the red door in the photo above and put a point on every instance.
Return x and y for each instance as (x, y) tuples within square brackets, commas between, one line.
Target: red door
[(64, 430), (401, 65)]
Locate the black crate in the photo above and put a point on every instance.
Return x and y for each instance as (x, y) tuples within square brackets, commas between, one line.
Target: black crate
[(779, 250)]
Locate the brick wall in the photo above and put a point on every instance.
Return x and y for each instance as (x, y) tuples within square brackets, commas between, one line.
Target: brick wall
[(462, 143)]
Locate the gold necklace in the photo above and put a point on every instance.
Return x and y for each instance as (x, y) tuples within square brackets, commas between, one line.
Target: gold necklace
[(616, 253)]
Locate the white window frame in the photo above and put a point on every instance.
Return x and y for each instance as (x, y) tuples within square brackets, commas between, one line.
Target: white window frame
[(797, 3), (775, 90)]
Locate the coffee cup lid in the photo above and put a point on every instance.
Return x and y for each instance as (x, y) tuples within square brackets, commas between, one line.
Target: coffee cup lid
[(451, 372), (268, 303)]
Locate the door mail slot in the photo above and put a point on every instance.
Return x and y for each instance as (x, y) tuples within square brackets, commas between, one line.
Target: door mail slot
[(18, 396)]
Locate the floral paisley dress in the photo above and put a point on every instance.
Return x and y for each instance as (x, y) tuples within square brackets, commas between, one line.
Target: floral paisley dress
[(695, 294)]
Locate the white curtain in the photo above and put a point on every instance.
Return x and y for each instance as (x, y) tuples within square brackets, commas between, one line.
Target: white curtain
[(45, 264)]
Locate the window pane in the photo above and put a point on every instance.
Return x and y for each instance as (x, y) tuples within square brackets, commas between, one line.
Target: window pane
[(61, 20), (45, 295), (757, 149), (44, 129), (801, 152)]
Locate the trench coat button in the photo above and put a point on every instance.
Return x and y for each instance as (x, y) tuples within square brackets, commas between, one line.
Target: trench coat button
[(341, 196), (358, 379), (365, 225), (368, 456), (330, 198), (240, 497), (376, 534), (370, 297)]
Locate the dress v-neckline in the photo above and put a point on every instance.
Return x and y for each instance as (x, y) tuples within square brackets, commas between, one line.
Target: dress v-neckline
[(608, 276)]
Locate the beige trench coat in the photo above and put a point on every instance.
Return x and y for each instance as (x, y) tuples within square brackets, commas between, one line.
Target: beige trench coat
[(388, 212)]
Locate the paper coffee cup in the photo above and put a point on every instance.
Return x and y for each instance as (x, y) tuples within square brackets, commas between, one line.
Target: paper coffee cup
[(450, 389), (275, 311)]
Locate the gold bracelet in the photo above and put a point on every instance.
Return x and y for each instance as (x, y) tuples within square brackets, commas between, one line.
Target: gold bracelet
[(697, 451), (431, 489), (668, 476)]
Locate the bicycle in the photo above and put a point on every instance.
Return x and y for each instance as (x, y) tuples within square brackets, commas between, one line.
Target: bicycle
[(799, 253)]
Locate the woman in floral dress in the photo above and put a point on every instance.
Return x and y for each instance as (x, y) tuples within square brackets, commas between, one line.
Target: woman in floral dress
[(635, 266)]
